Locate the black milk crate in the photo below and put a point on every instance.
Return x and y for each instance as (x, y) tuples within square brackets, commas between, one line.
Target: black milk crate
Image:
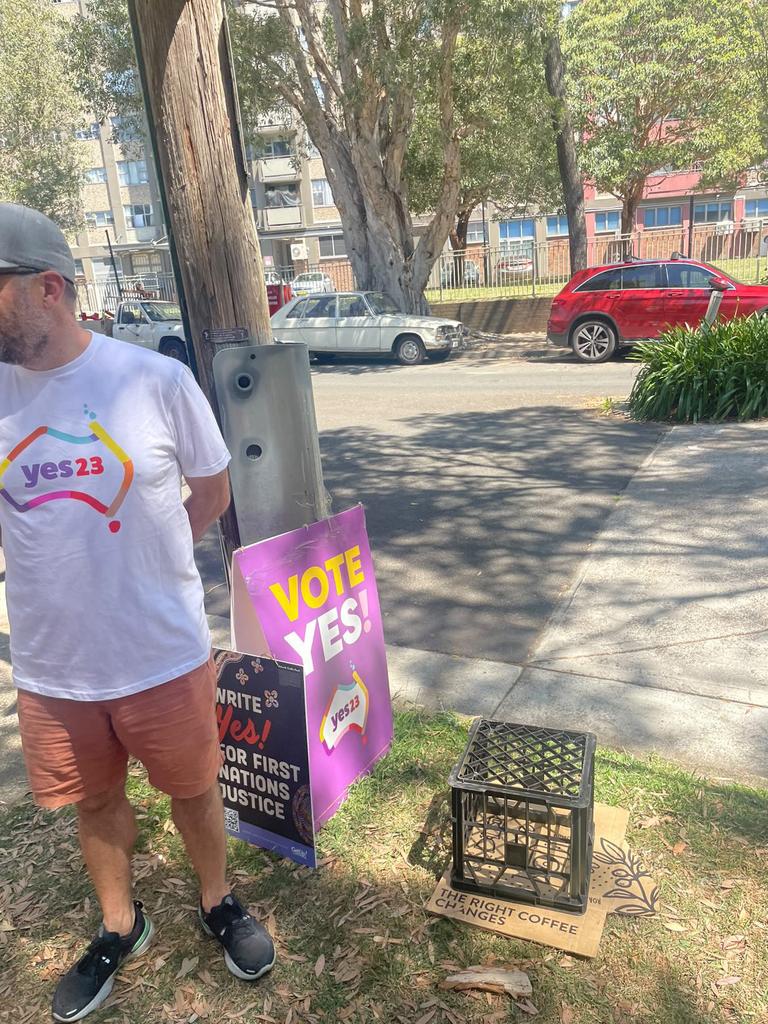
[(522, 803)]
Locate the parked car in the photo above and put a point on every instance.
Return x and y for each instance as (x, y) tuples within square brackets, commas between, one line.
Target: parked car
[(604, 308), (514, 268), (151, 324), (364, 323), (158, 325), (450, 275), (310, 283)]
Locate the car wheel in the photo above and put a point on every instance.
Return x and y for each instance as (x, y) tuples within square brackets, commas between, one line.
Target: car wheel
[(174, 349), (593, 341), (410, 350)]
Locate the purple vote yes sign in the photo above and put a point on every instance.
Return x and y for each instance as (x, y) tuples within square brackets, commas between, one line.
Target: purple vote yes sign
[(309, 597)]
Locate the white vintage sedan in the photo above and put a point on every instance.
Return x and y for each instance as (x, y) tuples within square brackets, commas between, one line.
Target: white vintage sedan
[(364, 323)]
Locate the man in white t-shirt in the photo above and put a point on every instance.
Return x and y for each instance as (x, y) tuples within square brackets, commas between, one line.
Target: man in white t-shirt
[(109, 641)]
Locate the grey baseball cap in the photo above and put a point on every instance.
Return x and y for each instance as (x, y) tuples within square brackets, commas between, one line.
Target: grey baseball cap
[(30, 240)]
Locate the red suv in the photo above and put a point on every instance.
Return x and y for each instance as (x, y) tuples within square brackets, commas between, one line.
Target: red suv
[(604, 308)]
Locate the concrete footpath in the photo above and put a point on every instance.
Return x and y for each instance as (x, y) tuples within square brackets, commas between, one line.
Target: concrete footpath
[(658, 644), (661, 642)]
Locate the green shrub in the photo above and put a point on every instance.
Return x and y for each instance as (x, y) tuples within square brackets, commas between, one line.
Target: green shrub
[(712, 373)]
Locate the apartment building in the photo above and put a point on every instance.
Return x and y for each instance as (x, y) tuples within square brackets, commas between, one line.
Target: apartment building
[(123, 227)]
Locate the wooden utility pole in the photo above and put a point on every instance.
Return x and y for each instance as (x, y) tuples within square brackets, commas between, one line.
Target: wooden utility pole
[(184, 59)]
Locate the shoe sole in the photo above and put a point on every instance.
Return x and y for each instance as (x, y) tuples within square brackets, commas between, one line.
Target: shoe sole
[(104, 992), (231, 965)]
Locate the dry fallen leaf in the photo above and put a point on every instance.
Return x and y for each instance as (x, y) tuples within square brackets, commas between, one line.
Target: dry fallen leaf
[(734, 979), (652, 822), (567, 1016), (188, 964), (675, 926), (319, 965), (679, 848)]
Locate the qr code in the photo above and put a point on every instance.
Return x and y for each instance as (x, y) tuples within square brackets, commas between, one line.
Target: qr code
[(231, 820)]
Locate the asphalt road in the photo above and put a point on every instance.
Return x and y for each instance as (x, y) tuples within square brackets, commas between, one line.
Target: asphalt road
[(484, 480)]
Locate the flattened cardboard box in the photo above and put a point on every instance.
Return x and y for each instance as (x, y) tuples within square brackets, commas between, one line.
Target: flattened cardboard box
[(619, 884)]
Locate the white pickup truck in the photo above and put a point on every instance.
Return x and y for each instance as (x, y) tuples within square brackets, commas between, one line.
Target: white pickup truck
[(152, 324)]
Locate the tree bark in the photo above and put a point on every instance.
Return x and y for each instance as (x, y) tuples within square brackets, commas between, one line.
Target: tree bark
[(567, 158), (458, 233), (184, 61), (630, 202)]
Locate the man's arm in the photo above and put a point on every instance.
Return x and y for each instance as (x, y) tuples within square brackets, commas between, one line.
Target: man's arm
[(209, 498)]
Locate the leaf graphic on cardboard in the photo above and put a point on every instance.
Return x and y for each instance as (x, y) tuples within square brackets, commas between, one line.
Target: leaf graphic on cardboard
[(632, 910), (611, 853), (631, 889)]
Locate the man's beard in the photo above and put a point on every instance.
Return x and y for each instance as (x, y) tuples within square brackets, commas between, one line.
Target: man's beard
[(20, 344)]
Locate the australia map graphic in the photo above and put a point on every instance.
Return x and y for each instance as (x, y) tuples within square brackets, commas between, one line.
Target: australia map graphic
[(86, 461)]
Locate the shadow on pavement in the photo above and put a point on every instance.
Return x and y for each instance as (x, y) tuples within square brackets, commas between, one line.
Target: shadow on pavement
[(478, 520)]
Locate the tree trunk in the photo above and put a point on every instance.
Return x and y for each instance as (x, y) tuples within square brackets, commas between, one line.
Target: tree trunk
[(458, 237), (359, 121), (184, 62), (458, 234), (630, 203), (567, 158)]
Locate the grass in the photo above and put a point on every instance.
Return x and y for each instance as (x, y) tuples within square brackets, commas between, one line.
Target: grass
[(705, 373), (354, 942)]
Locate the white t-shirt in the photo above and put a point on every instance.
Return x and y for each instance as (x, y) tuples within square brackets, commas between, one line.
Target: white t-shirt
[(104, 598)]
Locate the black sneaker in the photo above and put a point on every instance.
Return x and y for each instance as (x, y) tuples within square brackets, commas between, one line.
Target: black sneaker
[(86, 985), (248, 948)]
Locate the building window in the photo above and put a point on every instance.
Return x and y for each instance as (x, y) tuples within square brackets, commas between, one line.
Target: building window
[(96, 175), (557, 227), (282, 195), (79, 272), (517, 235), (607, 220), (711, 213), (91, 132), (663, 216), (138, 215), (147, 263), (756, 208), (132, 172), (321, 193), (275, 148), (99, 218), (477, 233), (332, 245)]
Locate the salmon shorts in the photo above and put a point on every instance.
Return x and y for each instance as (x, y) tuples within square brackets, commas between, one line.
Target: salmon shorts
[(76, 749)]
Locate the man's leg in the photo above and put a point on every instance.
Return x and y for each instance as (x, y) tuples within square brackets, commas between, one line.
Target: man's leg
[(107, 837), (200, 820)]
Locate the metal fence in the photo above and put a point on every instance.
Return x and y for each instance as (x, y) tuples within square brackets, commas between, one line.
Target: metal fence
[(104, 295), (533, 269), (520, 269)]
